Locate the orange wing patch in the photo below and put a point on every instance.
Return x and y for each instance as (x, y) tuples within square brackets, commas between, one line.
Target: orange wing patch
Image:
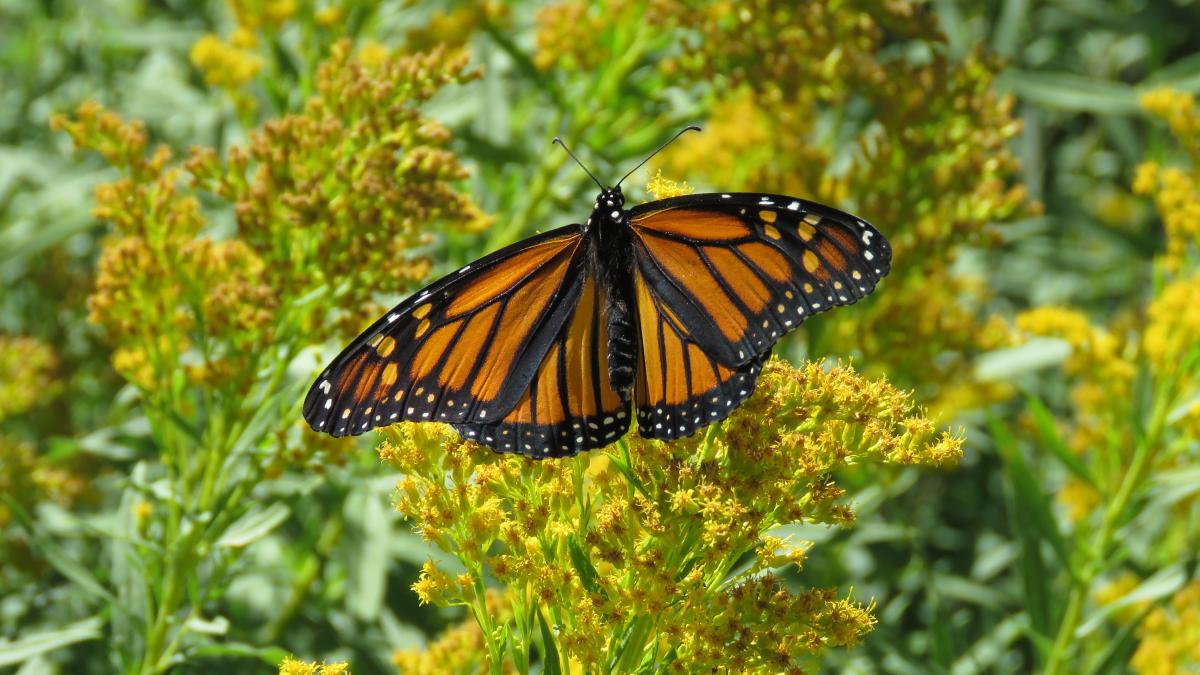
[(695, 224)]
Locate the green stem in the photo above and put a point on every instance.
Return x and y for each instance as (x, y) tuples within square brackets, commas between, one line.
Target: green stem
[(1143, 458)]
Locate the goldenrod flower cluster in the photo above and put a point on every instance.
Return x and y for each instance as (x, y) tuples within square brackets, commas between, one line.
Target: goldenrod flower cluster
[(1170, 636), (1174, 190), (458, 649), (452, 29), (335, 199), (634, 553), (580, 35), (292, 666), (28, 379), (342, 193), (227, 64)]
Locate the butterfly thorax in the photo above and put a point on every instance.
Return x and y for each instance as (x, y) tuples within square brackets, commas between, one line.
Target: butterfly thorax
[(608, 239)]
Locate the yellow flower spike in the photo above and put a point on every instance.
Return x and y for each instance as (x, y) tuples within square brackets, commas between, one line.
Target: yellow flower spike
[(664, 522), (662, 188)]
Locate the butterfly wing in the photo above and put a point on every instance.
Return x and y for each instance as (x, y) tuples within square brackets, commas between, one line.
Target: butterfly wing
[(719, 279), (463, 350), (570, 405)]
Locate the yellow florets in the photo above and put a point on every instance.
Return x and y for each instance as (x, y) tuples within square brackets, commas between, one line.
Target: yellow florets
[(662, 188), (660, 525), (291, 666), (1170, 636), (225, 64)]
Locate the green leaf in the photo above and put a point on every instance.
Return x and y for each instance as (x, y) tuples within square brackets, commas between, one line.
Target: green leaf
[(272, 656), (1051, 439), (967, 590), (1162, 583), (254, 525), (29, 646), (551, 663), (1005, 364), (985, 655), (57, 556), (1035, 582), (583, 565), (366, 580), (1031, 501), (1115, 656), (1070, 92)]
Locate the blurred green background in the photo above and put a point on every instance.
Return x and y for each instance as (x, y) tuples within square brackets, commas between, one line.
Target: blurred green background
[(1034, 164)]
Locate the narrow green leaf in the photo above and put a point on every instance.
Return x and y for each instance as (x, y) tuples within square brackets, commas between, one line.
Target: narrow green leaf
[(29, 646), (583, 565), (985, 655), (1030, 498), (254, 526), (551, 663), (967, 590), (57, 556), (1035, 583), (1005, 364), (1159, 585), (1048, 432), (1070, 92), (367, 568), (271, 656), (1115, 657)]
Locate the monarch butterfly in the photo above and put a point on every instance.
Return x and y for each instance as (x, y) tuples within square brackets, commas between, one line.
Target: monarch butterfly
[(543, 347)]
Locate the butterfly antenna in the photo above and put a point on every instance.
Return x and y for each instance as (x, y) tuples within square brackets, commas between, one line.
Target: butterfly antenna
[(585, 169), (660, 149)]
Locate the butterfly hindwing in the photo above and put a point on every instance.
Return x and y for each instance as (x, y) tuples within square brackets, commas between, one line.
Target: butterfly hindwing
[(463, 350), (720, 278), (570, 405), (679, 386)]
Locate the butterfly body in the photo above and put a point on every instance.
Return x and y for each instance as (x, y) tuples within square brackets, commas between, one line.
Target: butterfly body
[(607, 237), (663, 313)]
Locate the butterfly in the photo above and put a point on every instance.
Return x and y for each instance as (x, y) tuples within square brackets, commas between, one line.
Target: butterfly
[(665, 311)]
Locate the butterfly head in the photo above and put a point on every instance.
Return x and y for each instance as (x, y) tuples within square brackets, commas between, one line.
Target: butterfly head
[(610, 198)]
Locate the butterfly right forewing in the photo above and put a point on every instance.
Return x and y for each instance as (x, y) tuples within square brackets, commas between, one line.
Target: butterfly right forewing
[(463, 350)]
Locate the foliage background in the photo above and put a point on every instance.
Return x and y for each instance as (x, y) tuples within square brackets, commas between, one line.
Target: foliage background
[(1037, 181)]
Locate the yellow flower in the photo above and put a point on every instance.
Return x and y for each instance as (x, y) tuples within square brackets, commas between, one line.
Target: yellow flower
[(1173, 324), (1078, 497), (1170, 636), (1177, 108), (372, 53), (1145, 179), (662, 188), (291, 666), (329, 16), (655, 532), (28, 366), (224, 64)]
